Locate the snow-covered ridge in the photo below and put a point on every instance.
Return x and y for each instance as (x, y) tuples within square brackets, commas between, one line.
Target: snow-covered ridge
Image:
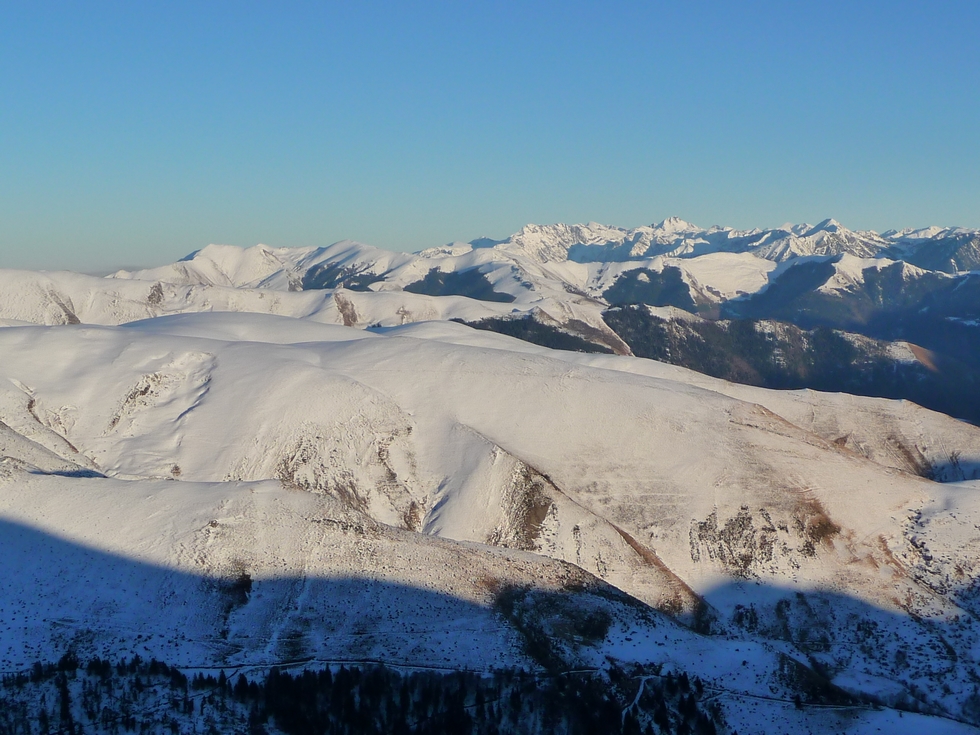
[(542, 262), (677, 238), (188, 429), (418, 468)]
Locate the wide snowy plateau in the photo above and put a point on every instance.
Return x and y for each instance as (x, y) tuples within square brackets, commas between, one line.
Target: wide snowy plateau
[(259, 457)]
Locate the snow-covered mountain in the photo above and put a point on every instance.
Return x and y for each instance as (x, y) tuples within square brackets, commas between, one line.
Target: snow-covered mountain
[(561, 286), (261, 456), (561, 268), (555, 285), (240, 484), (676, 238), (359, 266)]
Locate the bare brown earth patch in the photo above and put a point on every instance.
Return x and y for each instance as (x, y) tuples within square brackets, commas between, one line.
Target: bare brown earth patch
[(32, 410), (814, 525), (413, 517), (911, 459), (142, 389), (67, 309), (605, 337), (924, 356), (155, 296), (343, 486)]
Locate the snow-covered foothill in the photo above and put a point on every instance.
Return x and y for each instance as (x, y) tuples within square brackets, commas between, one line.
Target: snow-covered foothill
[(734, 508), (263, 455)]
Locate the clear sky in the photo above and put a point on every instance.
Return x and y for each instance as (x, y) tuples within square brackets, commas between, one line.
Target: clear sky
[(132, 133)]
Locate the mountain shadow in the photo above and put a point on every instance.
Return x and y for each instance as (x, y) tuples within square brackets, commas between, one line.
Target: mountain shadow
[(333, 275), (934, 310), (471, 283), (645, 286), (848, 642), (61, 599), (96, 624), (784, 356), (958, 252), (531, 330), (58, 596)]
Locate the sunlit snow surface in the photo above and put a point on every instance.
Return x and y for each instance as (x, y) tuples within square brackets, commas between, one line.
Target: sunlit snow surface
[(280, 489)]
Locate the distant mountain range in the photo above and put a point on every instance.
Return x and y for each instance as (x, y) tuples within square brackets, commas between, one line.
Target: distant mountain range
[(908, 286), (903, 307), (949, 249), (944, 249)]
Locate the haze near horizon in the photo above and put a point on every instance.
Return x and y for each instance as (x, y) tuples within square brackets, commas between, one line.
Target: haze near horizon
[(134, 136)]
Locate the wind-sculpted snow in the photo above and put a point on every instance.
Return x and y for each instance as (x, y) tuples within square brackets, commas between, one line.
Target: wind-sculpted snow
[(248, 453)]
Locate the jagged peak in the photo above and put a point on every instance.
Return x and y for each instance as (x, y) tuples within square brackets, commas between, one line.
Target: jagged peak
[(675, 224), (828, 225)]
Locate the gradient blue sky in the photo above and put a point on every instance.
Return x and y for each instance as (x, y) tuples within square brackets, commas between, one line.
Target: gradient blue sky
[(134, 133)]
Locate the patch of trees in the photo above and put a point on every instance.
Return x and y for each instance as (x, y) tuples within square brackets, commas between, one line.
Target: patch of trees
[(381, 700), (100, 697), (137, 696)]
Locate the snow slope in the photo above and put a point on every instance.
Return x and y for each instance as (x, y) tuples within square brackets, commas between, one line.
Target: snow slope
[(203, 462), (247, 574), (70, 298), (563, 276), (738, 510)]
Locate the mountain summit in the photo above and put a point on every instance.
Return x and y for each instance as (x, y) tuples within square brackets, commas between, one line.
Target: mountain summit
[(675, 237)]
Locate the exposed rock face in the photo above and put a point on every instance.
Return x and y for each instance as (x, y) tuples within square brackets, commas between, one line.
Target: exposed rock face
[(749, 545)]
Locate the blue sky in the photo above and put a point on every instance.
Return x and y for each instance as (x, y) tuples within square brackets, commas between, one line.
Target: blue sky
[(134, 133)]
